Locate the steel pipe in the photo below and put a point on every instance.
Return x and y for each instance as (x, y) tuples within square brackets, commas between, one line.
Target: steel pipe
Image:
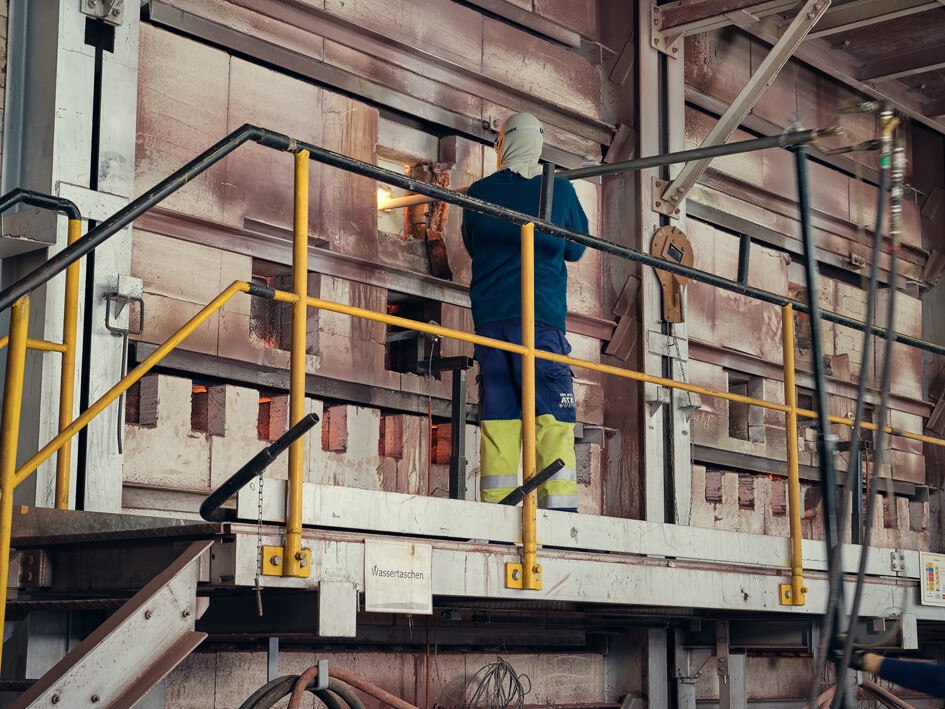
[(129, 379), (36, 345), (210, 507), (531, 571), (38, 199), (294, 564), (798, 590), (358, 167), (9, 436), (134, 209), (70, 321)]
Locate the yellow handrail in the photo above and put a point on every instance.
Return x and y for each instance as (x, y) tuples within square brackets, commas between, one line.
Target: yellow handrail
[(66, 434), (152, 360), (38, 345), (531, 571), (9, 434), (798, 591), (294, 558), (67, 371)]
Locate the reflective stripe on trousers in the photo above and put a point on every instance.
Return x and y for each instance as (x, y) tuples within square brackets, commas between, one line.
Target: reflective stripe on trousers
[(500, 452)]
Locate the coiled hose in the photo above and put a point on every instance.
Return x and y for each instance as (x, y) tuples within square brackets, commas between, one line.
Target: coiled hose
[(271, 693)]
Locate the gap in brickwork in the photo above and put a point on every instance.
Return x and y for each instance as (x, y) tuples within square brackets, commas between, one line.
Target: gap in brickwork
[(408, 351), (745, 422), (270, 322), (199, 408)]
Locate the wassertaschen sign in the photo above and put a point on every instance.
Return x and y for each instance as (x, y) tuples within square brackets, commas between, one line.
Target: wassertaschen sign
[(397, 577)]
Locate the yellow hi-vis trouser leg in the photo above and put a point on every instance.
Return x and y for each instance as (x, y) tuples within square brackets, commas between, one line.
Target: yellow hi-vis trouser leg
[(555, 439), (500, 452)]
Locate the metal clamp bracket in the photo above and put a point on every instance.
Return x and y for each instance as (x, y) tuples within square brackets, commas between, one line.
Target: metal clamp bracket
[(110, 11), (669, 43), (120, 301), (273, 562), (515, 576)]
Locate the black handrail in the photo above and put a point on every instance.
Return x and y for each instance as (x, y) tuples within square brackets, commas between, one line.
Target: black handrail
[(134, 209), (281, 142), (38, 199), (210, 508), (519, 493)]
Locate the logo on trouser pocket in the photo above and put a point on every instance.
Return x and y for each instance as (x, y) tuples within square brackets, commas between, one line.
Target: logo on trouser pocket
[(567, 401)]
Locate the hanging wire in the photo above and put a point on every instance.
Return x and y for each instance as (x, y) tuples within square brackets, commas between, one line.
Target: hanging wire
[(497, 686)]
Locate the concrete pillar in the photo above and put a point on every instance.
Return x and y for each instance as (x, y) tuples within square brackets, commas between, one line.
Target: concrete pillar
[(667, 460), (48, 146)]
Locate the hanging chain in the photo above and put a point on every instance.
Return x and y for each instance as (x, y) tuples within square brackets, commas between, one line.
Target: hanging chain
[(259, 549)]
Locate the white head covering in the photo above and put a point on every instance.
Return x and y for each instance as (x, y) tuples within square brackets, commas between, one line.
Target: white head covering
[(519, 145)]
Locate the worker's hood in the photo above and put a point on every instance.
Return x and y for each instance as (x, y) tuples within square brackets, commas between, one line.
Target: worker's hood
[(519, 145)]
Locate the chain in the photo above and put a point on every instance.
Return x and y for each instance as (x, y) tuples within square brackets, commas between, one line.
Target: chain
[(259, 549)]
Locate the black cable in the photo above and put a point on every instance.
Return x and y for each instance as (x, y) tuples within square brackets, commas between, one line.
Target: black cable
[(825, 447), (852, 467)]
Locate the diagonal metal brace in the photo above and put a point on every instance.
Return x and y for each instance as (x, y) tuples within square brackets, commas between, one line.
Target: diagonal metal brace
[(674, 194)]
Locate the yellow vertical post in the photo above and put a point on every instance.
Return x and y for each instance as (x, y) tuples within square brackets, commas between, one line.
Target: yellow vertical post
[(9, 435), (795, 593), (531, 571), (67, 371), (296, 562)]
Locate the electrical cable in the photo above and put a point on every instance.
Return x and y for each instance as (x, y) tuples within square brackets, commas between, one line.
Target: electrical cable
[(825, 447), (898, 169), (497, 686), (884, 169)]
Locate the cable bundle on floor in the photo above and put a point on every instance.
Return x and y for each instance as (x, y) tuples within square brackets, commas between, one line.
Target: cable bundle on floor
[(497, 686)]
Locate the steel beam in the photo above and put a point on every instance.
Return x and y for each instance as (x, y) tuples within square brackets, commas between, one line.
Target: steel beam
[(935, 109), (467, 570), (909, 64), (863, 13), (705, 15), (147, 638), (819, 54), (342, 508), (785, 46)]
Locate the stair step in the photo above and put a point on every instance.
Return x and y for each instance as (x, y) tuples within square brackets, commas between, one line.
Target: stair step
[(16, 685)]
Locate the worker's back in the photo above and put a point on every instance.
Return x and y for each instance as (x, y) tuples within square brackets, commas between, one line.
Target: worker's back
[(495, 247)]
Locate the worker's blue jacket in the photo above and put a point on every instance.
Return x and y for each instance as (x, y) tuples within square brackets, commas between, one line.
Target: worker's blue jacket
[(495, 247), (920, 676)]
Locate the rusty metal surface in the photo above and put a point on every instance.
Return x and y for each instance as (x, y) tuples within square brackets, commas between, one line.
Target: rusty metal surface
[(36, 526)]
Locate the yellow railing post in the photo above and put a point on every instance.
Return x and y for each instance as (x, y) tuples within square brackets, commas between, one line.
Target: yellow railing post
[(9, 435), (67, 375), (529, 573), (296, 562), (795, 593)]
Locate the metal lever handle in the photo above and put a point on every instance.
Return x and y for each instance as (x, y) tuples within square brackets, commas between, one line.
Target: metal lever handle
[(210, 508), (519, 493)]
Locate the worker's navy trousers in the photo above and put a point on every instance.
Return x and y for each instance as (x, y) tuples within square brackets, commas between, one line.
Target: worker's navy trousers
[(500, 397)]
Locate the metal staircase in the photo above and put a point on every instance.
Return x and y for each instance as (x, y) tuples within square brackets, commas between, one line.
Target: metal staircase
[(148, 635)]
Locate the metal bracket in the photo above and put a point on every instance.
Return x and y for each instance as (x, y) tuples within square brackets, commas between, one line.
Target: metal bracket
[(669, 43), (322, 682), (656, 396), (660, 203), (897, 561), (33, 569), (787, 598), (667, 345), (110, 11), (120, 301), (515, 576), (272, 562)]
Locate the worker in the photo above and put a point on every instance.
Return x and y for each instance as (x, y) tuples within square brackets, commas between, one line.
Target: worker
[(920, 676), (495, 292)]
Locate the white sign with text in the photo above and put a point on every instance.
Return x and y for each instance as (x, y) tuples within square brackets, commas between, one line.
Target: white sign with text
[(397, 577)]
